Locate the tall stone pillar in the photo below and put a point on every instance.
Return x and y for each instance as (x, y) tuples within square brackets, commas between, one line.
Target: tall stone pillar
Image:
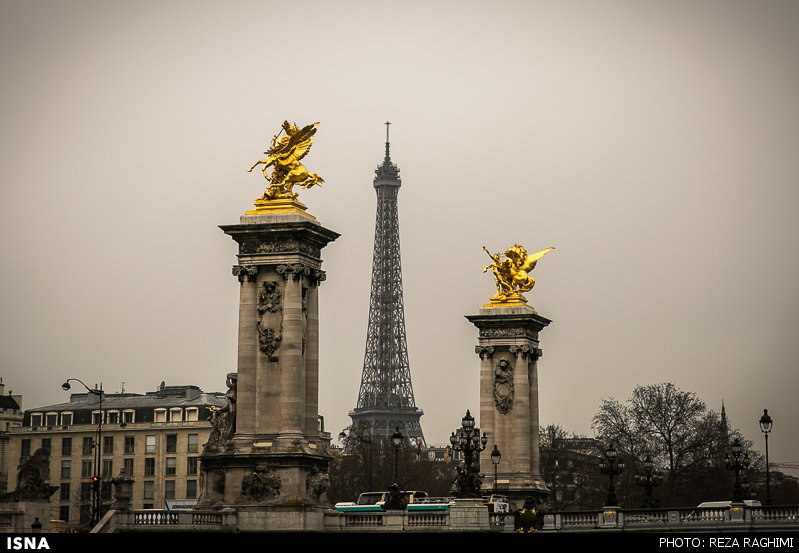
[(509, 351), (265, 453)]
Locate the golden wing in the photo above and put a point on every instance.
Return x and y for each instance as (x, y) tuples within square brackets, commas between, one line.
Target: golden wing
[(531, 259), (300, 144)]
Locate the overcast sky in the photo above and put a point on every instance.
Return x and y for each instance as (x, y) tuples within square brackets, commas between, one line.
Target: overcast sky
[(654, 144)]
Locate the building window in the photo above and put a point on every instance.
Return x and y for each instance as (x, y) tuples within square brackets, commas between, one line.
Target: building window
[(87, 446), (66, 469), (112, 417), (191, 489), (169, 489), (85, 491), (176, 415), (149, 489), (66, 419), (128, 465), (194, 440), (127, 417), (149, 444), (66, 447), (64, 491), (171, 443), (108, 445), (86, 468), (105, 490), (36, 419), (108, 467), (171, 466), (129, 444), (149, 466), (63, 512), (159, 415), (191, 465), (51, 419), (25, 448), (192, 414), (46, 445), (96, 417)]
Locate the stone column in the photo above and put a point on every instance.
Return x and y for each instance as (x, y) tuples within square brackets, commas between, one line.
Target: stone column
[(292, 377), (248, 347), (272, 471), (508, 350)]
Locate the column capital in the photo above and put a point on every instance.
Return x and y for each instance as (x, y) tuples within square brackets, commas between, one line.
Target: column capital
[(295, 270), (532, 352), (317, 277), (484, 351), (243, 272)]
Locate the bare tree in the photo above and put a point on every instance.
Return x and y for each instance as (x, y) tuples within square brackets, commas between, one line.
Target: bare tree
[(680, 434)]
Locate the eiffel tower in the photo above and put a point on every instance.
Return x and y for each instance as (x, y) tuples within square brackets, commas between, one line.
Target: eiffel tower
[(385, 399)]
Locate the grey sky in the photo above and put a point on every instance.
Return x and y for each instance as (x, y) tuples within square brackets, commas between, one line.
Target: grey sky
[(654, 144)]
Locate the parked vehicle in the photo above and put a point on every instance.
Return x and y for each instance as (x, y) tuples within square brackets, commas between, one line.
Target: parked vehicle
[(374, 501), (747, 502)]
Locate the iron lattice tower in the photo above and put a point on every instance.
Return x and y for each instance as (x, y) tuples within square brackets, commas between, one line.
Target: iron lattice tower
[(385, 399)]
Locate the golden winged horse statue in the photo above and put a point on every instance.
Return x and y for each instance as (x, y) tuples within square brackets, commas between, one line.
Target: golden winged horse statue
[(285, 155), (511, 274)]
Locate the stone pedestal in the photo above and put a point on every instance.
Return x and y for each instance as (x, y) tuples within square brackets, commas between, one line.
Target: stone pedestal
[(266, 455), (468, 515), (509, 352)]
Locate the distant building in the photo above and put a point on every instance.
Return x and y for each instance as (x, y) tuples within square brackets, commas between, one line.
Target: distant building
[(10, 417), (155, 437)]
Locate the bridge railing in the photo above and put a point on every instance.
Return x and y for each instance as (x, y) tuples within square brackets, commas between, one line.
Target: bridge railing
[(737, 516)]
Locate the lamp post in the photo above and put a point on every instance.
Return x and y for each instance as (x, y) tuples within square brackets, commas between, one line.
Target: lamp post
[(736, 460), (469, 442), (611, 466), (496, 456), (95, 509), (649, 478), (765, 426), (363, 440), (396, 439)]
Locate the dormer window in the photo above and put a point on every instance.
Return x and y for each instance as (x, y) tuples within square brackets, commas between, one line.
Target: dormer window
[(36, 419), (159, 415)]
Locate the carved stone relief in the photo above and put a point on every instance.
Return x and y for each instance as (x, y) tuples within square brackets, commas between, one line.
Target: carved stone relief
[(270, 318), (261, 484), (503, 386), (317, 483)]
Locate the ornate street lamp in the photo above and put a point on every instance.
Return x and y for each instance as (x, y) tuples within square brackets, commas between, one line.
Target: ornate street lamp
[(765, 427), (736, 460), (396, 439), (649, 478), (469, 442), (342, 435), (612, 466), (496, 456), (95, 510), (395, 499)]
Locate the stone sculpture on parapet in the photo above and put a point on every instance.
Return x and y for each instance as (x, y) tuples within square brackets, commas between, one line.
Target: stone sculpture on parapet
[(511, 274), (33, 478), (284, 156)]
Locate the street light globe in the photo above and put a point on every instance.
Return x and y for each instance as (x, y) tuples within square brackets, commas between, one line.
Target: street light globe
[(766, 422)]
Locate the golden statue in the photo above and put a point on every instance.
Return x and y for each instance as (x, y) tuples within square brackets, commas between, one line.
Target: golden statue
[(510, 274), (285, 155)]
